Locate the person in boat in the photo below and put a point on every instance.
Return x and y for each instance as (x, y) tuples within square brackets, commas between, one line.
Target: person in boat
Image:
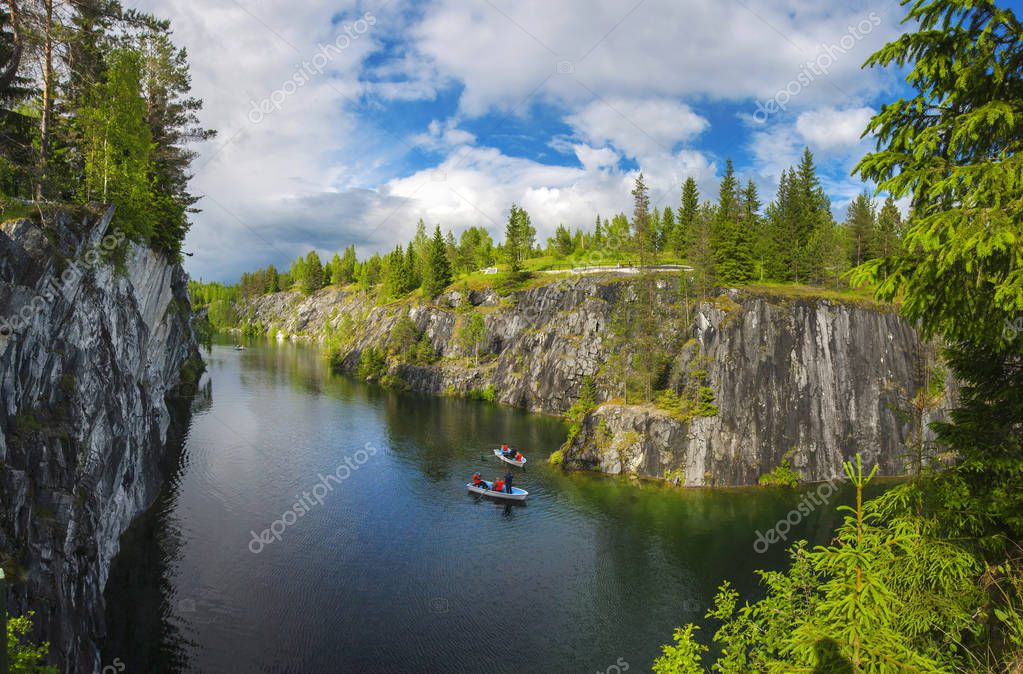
[(477, 481), (508, 482), (498, 484), (519, 457), (505, 450)]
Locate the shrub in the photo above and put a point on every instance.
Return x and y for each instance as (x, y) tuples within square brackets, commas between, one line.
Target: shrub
[(23, 656), (489, 394), (782, 476), (556, 458), (372, 364), (581, 407)]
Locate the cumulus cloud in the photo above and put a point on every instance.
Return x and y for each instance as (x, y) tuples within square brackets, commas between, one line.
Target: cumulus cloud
[(595, 157), (830, 129), (617, 85), (639, 128)]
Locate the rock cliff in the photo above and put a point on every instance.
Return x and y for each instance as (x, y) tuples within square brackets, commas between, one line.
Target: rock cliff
[(806, 378), (95, 346)]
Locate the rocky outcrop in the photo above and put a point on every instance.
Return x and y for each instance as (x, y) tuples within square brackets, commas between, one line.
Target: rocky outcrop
[(810, 379), (95, 345), (538, 343)]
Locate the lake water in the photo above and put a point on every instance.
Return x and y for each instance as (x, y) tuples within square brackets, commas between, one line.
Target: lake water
[(390, 565)]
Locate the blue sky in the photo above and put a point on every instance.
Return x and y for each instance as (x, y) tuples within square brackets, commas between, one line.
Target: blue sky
[(345, 122)]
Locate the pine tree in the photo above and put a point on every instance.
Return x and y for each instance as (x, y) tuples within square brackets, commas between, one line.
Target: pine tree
[(888, 230), (437, 274), (732, 241), (313, 280), (563, 243), (397, 273), (273, 281), (332, 272), (518, 235), (668, 230), (346, 269), (420, 246), (686, 217), (412, 268), (860, 221), (701, 251), (643, 234)]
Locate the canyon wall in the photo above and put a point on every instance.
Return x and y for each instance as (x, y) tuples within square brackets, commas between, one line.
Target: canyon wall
[(794, 376), (97, 360)]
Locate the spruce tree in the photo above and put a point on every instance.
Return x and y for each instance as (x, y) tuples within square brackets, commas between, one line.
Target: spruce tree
[(859, 223), (437, 274), (733, 242), (686, 216), (668, 229), (888, 230), (313, 279)]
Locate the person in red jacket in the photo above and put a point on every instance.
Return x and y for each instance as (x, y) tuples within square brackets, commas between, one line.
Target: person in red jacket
[(477, 480), (498, 484), (519, 457)]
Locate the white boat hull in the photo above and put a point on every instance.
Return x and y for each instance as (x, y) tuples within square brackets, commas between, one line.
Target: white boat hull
[(520, 464), (516, 495)]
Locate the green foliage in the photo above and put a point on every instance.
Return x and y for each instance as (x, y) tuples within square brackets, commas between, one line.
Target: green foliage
[(372, 364), (860, 223), (424, 353), (583, 405), (437, 268), (118, 143), (731, 237), (687, 212), (488, 394), (518, 234), (675, 476), (23, 656), (887, 594), (403, 337), (682, 657), (472, 331), (782, 475), (955, 149), (557, 457)]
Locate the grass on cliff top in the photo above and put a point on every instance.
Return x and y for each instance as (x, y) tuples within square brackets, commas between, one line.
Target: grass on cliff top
[(863, 297)]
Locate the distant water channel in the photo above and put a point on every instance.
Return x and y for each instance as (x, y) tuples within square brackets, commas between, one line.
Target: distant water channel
[(395, 567)]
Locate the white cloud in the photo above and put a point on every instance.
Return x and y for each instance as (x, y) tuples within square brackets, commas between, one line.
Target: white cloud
[(506, 52), (830, 129), (595, 157), (321, 171), (638, 128)]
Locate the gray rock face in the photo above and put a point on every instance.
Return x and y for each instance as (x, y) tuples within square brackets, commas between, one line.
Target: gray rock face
[(811, 377), (96, 339), (811, 380)]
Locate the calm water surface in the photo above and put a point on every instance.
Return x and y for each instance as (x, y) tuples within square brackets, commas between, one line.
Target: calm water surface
[(399, 569)]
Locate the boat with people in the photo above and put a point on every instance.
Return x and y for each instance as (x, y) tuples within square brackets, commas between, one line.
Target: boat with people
[(511, 456), (484, 488), (239, 347)]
